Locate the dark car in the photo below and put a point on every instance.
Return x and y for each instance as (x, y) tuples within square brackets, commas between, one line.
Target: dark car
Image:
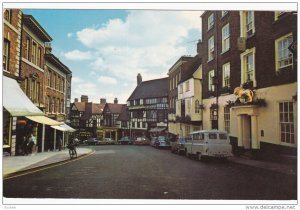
[(92, 141), (125, 140), (178, 146)]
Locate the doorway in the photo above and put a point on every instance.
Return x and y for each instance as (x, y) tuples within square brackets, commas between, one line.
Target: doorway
[(246, 132)]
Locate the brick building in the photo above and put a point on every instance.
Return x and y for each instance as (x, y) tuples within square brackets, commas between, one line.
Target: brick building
[(250, 50)]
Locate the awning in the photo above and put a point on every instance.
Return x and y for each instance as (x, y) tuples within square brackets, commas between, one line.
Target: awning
[(158, 129), (64, 127), (44, 120), (16, 102)]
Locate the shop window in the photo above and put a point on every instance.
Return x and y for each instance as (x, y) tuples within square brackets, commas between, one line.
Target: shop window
[(286, 119), (227, 119)]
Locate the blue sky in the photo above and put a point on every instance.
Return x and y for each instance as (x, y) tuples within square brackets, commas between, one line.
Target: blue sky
[(106, 49)]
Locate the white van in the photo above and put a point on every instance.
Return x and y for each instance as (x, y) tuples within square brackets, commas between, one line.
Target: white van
[(205, 143)]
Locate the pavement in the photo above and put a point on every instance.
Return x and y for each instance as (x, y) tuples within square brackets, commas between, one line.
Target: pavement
[(17, 164)]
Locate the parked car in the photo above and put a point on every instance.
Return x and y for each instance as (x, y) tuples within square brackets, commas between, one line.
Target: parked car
[(125, 140), (92, 141), (178, 145), (162, 142), (108, 141), (141, 141), (208, 143), (153, 140)]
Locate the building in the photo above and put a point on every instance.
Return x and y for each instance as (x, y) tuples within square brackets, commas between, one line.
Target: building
[(189, 104), (56, 75), (175, 73), (87, 117), (123, 121), (23, 70), (148, 107), (112, 124), (248, 53)]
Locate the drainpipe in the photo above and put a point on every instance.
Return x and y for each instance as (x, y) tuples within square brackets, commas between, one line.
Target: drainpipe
[(217, 72)]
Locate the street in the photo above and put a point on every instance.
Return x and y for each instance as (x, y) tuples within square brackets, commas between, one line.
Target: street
[(143, 172)]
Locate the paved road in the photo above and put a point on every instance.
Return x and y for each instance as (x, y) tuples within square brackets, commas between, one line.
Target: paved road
[(143, 172)]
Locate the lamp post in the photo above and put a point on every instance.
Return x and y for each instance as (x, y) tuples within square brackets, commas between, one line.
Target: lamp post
[(216, 77)]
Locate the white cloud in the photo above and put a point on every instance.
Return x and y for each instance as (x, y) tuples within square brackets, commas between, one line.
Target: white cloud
[(146, 42), (78, 55), (69, 35), (107, 80)]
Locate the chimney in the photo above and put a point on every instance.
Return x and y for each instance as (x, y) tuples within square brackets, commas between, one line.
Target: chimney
[(115, 101), (139, 79), (102, 101), (75, 99), (84, 98), (199, 46)]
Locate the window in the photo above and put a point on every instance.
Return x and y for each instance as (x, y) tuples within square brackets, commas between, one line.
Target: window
[(212, 136), (248, 66), (284, 57), (226, 75), (54, 81), (187, 86), (248, 26), (54, 105), (33, 53), (188, 105), (181, 89), (227, 119), (62, 106), (37, 92), (198, 136), (6, 52), (210, 21), (27, 48), (224, 13), (222, 136), (57, 83), (225, 38), (277, 14), (286, 117), (7, 15), (211, 74), (176, 80), (197, 106), (39, 57), (249, 23), (49, 78), (211, 48)]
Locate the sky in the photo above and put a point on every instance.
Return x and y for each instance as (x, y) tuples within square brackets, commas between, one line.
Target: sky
[(106, 49)]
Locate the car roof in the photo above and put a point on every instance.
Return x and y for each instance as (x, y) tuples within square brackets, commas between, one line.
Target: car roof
[(208, 131)]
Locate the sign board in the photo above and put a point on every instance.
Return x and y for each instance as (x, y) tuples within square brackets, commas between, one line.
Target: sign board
[(241, 43)]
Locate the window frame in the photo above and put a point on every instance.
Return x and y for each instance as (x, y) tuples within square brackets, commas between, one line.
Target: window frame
[(225, 73), (244, 66), (210, 48), (225, 40), (277, 52), (227, 119), (287, 124), (34, 53), (211, 86), (6, 55), (210, 21)]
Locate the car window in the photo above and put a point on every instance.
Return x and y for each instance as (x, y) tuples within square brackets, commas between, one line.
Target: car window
[(212, 136), (223, 136), (198, 136)]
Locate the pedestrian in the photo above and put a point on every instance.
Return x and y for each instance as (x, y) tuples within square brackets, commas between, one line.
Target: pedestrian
[(59, 143), (24, 146), (31, 143)]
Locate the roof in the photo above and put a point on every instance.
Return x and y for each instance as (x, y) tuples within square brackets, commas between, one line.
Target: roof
[(37, 28), (124, 115), (80, 106), (53, 59), (91, 109), (114, 108), (97, 108), (189, 68), (150, 89)]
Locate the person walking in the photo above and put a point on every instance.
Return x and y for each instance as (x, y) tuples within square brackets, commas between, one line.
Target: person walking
[(59, 143), (31, 143), (24, 146)]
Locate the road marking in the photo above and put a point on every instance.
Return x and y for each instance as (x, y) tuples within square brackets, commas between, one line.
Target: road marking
[(52, 166)]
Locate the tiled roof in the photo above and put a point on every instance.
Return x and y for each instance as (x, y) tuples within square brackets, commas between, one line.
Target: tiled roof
[(151, 89), (98, 108), (80, 106), (115, 108)]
